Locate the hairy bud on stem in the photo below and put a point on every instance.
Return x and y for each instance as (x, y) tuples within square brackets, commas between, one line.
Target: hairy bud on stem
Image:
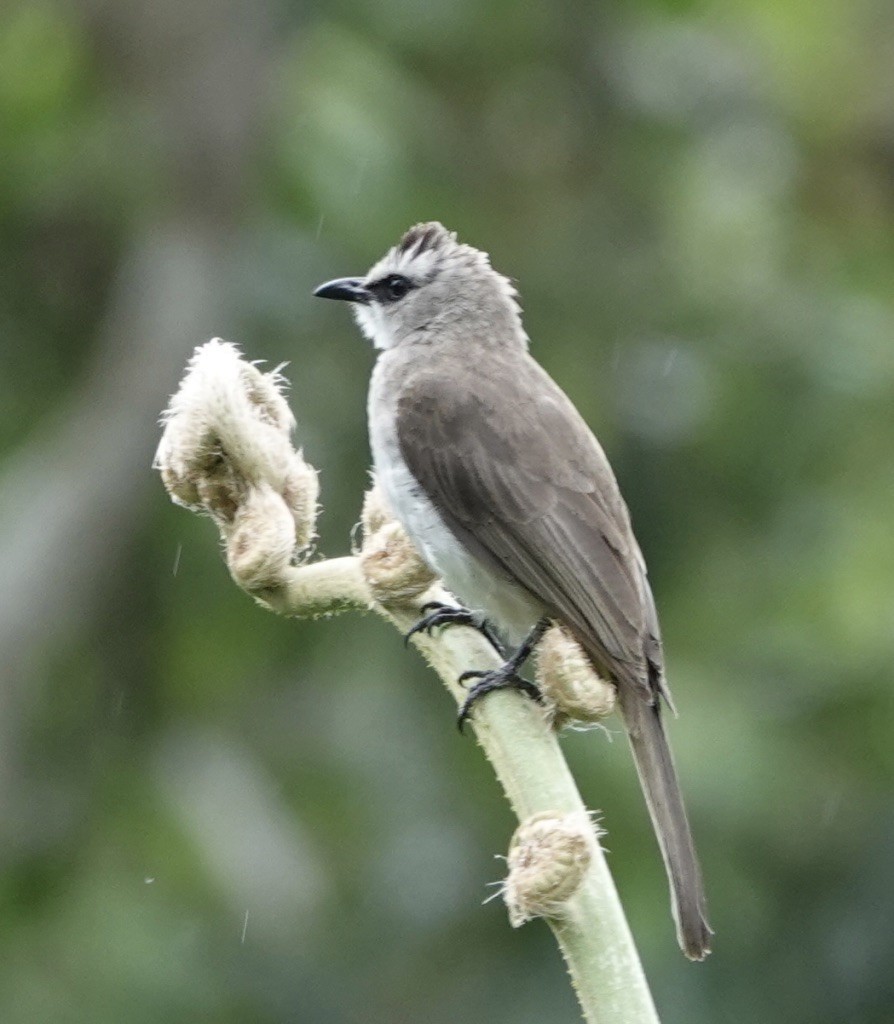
[(574, 693), (548, 859), (226, 452), (389, 560)]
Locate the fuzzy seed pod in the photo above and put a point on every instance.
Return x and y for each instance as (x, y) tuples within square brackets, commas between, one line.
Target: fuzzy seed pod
[(548, 858), (376, 512), (573, 691), (392, 567), (261, 541), (300, 492), (226, 452)]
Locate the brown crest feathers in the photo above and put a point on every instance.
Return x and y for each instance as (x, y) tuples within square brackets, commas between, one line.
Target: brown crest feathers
[(421, 237)]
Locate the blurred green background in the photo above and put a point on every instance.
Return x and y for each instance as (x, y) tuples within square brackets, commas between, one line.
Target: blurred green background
[(208, 814)]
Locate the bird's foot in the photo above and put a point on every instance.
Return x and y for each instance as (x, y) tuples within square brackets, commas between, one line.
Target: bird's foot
[(505, 677), (439, 614)]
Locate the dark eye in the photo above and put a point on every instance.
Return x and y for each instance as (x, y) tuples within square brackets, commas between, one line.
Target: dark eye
[(395, 287)]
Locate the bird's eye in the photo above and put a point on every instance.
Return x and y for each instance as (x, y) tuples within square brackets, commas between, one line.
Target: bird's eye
[(395, 287)]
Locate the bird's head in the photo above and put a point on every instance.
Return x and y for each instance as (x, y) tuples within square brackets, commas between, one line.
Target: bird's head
[(430, 288)]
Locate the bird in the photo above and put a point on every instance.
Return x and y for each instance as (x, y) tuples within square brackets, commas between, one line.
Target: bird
[(511, 500)]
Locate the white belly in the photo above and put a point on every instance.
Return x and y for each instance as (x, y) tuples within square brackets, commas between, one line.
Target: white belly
[(503, 603)]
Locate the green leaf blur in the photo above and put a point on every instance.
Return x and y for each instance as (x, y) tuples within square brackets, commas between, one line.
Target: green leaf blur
[(213, 815)]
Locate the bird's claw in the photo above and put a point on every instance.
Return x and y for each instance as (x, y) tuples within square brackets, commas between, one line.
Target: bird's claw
[(504, 678), (440, 614)]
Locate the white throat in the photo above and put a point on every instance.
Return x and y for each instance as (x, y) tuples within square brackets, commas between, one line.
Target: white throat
[(374, 326)]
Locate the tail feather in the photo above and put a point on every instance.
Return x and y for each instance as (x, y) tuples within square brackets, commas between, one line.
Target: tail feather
[(658, 779)]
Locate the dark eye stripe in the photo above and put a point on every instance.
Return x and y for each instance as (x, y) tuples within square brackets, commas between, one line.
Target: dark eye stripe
[(391, 288)]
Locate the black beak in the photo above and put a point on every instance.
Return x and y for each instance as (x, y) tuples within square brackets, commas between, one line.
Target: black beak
[(348, 288)]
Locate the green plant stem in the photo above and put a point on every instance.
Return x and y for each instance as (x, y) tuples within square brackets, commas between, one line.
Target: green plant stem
[(592, 931)]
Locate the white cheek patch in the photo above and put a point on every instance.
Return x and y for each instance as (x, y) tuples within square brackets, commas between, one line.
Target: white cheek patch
[(374, 326)]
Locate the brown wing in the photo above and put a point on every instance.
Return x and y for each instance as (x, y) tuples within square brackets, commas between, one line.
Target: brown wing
[(524, 485)]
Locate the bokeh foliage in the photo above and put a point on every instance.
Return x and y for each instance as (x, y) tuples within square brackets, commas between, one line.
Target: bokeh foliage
[(210, 814)]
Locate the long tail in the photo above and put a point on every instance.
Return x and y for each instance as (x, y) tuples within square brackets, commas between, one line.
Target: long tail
[(658, 779)]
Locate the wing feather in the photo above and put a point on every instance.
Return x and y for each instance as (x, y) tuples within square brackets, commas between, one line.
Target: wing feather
[(527, 489)]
